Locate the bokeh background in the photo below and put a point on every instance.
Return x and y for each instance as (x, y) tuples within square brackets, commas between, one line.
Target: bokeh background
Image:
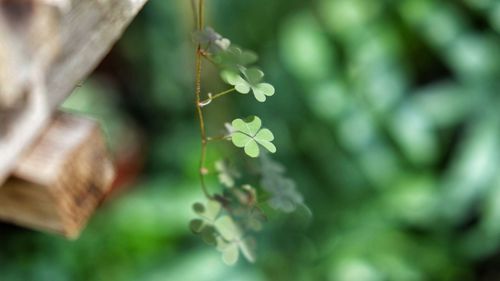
[(386, 115)]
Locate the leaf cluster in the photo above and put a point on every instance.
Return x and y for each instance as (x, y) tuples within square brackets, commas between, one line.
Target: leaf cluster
[(228, 219)]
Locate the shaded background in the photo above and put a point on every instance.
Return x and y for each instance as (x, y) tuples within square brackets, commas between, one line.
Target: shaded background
[(386, 115)]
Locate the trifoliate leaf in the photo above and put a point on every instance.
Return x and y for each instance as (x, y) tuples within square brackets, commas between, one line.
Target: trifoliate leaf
[(285, 195), (251, 80), (249, 135), (207, 217), (230, 249), (283, 191)]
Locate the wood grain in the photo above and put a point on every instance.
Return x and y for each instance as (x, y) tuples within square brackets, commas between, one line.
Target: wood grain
[(59, 182), (86, 32)]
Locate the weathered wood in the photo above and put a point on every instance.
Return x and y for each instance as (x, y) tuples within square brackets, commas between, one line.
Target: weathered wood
[(24, 26), (60, 181), (85, 33)]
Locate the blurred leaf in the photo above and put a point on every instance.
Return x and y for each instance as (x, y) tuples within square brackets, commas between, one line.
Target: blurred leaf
[(211, 40), (228, 228), (226, 174), (234, 58), (284, 193), (198, 208), (196, 225), (232, 241)]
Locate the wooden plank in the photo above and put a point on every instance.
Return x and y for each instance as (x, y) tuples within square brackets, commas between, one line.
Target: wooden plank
[(59, 182), (85, 33)]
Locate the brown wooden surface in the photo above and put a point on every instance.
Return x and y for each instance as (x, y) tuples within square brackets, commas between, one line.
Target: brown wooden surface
[(68, 47), (61, 180)]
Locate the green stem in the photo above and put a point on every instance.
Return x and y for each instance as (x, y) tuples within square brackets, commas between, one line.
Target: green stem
[(211, 97), (218, 138), (199, 57)]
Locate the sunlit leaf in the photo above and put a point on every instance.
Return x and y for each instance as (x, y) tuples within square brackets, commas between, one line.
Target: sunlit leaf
[(251, 80), (249, 135)]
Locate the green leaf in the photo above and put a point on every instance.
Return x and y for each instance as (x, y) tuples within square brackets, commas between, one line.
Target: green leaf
[(212, 210), (248, 134), (234, 58), (227, 228), (207, 217), (251, 80), (263, 90), (196, 225), (283, 191), (234, 79), (230, 249), (264, 138), (230, 253), (198, 208), (285, 195), (208, 235)]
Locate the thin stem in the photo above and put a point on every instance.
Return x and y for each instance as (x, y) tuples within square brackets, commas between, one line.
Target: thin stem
[(208, 58), (194, 7), (202, 168), (218, 138), (211, 97), (223, 93), (201, 13)]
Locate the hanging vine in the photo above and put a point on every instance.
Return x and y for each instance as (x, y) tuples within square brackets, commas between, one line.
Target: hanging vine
[(228, 219)]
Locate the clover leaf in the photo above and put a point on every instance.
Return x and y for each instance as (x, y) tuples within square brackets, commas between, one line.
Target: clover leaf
[(248, 134), (285, 196), (231, 241), (251, 80), (283, 191), (204, 225)]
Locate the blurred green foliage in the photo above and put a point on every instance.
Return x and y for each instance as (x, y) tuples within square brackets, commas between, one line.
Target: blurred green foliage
[(386, 115)]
